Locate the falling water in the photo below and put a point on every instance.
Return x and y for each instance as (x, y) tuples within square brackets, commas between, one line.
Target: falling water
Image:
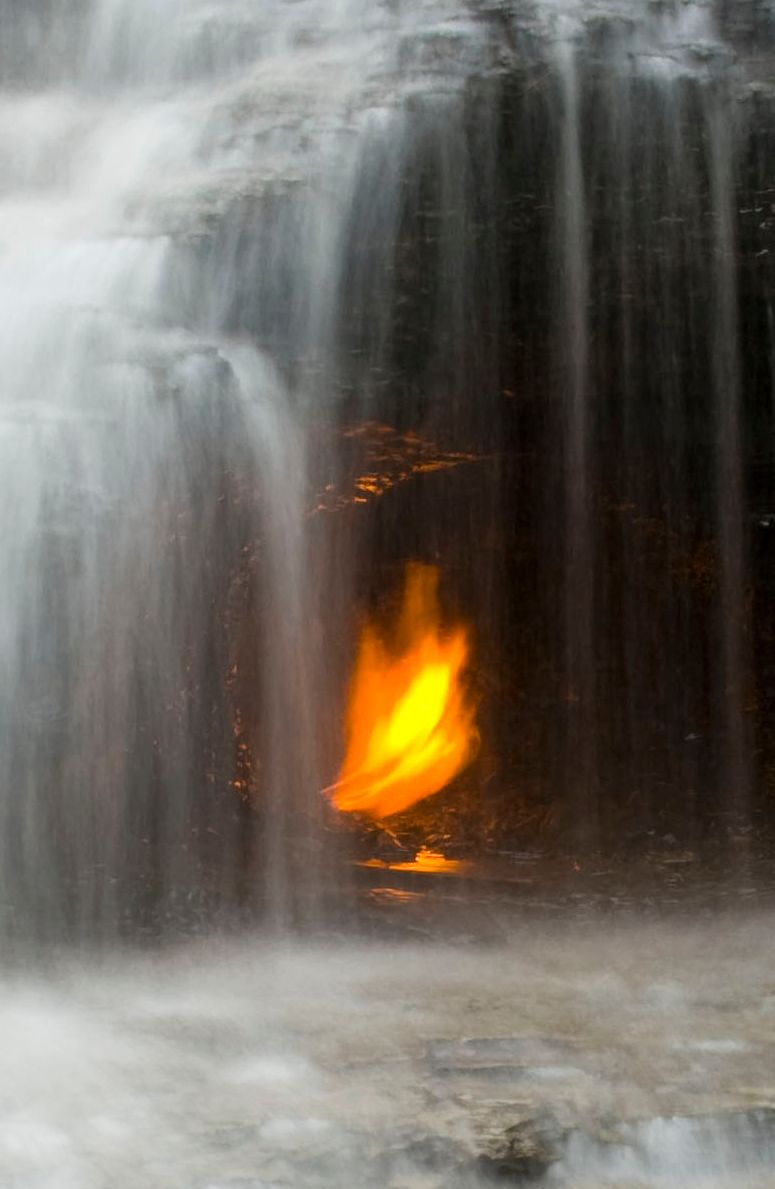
[(639, 697), (295, 293), (292, 293), (177, 185), (573, 302), (729, 484)]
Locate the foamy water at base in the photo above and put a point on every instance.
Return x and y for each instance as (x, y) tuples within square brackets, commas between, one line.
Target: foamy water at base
[(650, 1048)]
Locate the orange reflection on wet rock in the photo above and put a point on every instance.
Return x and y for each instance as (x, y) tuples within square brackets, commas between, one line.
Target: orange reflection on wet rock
[(425, 862), (410, 724)]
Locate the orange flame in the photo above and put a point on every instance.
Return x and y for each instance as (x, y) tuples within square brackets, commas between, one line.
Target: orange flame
[(410, 727)]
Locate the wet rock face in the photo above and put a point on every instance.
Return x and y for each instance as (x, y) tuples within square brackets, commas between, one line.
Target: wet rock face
[(748, 24), (710, 1145), (532, 244), (168, 356), (525, 1154), (498, 1058), (604, 602)]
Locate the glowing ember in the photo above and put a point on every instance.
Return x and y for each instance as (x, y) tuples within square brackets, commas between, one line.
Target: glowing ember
[(410, 727)]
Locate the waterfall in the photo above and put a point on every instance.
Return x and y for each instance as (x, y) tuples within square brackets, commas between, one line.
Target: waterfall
[(178, 186), (573, 303), (727, 387), (293, 292)]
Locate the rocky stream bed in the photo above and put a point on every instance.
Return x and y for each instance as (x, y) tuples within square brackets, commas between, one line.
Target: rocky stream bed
[(619, 1051)]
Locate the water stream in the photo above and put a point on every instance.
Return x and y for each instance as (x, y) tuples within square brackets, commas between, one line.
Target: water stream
[(399, 1067), (292, 292), (241, 246), (177, 189)]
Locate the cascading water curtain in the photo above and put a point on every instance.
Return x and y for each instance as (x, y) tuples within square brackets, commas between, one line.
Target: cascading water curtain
[(295, 293)]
